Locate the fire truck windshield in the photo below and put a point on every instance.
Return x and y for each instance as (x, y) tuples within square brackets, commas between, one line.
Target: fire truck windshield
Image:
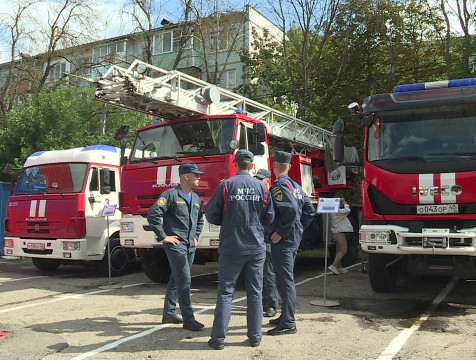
[(183, 139), (52, 178), (440, 139)]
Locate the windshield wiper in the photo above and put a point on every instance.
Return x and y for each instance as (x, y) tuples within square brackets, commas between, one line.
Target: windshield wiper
[(463, 153), (418, 158), (191, 153)]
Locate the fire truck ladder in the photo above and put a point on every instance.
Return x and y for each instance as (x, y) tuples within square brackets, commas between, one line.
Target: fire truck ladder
[(173, 94)]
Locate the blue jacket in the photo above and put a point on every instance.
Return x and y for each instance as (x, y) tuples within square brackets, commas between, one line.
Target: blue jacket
[(294, 210), (171, 214), (241, 205)]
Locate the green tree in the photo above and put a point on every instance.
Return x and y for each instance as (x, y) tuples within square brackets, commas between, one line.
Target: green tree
[(62, 117)]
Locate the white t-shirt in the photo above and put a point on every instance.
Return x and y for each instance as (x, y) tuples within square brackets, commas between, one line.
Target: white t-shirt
[(339, 221)]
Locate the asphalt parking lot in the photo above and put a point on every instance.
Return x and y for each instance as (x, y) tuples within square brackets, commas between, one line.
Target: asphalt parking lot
[(74, 314)]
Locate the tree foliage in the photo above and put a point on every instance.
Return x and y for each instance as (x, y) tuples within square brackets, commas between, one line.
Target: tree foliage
[(62, 117)]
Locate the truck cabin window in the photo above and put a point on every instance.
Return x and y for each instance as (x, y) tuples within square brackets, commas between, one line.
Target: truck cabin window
[(445, 132), (52, 179), (189, 138)]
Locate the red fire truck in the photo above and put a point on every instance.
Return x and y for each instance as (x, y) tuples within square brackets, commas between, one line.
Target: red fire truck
[(54, 215), (205, 125), (418, 194)]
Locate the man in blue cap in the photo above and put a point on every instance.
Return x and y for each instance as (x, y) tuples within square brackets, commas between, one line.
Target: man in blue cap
[(177, 220), (270, 292), (241, 206), (294, 213)]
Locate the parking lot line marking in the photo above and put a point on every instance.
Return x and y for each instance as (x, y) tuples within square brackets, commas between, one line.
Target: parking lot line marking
[(25, 278), (400, 340), (157, 328), (62, 297)]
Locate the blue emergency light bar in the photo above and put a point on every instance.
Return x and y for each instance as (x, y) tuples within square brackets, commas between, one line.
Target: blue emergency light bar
[(435, 85)]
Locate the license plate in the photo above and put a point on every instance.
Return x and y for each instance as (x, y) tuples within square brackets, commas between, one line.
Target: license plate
[(437, 209), (35, 246)]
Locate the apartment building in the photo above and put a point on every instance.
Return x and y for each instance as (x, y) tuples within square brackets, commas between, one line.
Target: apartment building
[(207, 48)]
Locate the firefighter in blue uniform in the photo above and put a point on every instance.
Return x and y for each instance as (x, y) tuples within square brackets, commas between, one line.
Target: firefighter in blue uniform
[(294, 213), (270, 292), (177, 220), (241, 205)]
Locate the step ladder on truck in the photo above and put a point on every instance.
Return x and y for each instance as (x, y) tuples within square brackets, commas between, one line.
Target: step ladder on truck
[(203, 124)]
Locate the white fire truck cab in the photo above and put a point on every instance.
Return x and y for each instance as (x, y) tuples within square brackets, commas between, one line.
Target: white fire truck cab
[(54, 214)]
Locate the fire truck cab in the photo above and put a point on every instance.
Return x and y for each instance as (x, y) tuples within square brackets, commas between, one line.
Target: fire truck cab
[(201, 124), (418, 194), (54, 214)]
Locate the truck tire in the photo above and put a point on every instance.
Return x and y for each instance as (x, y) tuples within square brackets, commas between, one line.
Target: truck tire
[(120, 259), (383, 278), (156, 265), (46, 264)]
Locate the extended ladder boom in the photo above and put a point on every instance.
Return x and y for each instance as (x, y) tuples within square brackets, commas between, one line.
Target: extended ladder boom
[(172, 94)]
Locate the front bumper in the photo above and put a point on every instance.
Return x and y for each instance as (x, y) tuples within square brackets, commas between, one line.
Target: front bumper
[(46, 249), (390, 239), (139, 234)]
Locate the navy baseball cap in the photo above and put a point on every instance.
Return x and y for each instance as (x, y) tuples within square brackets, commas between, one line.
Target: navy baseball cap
[(263, 173), (244, 155), (282, 157), (189, 168)]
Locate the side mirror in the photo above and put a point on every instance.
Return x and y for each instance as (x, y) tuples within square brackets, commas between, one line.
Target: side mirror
[(105, 181), (257, 149), (259, 132), (121, 132), (368, 120), (338, 148), (339, 126)]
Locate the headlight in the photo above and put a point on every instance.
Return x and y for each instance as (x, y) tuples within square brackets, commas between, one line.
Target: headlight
[(127, 227), (8, 243), (71, 245), (374, 236)]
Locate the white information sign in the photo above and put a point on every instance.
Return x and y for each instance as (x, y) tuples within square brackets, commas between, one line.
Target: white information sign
[(109, 210), (328, 205)]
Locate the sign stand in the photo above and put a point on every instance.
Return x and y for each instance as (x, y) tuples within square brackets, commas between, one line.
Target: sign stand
[(326, 206), (109, 210)]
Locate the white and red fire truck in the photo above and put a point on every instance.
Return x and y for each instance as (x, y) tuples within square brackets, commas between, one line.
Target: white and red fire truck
[(54, 214), (418, 192), (205, 125)]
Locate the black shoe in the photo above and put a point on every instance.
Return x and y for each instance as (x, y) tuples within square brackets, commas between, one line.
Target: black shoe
[(216, 345), (193, 326), (255, 343), (270, 312), (276, 321), (282, 330), (172, 320)]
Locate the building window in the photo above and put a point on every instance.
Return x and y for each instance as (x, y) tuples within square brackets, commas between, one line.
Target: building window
[(228, 79), (163, 42), (57, 71), (83, 66), (115, 49)]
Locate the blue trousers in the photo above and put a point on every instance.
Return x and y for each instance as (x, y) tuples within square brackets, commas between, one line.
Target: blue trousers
[(270, 292), (180, 260), (284, 255), (229, 268)]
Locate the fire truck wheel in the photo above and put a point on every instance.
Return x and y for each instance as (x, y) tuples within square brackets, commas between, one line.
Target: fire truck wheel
[(156, 265), (119, 259), (46, 264), (383, 278)]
